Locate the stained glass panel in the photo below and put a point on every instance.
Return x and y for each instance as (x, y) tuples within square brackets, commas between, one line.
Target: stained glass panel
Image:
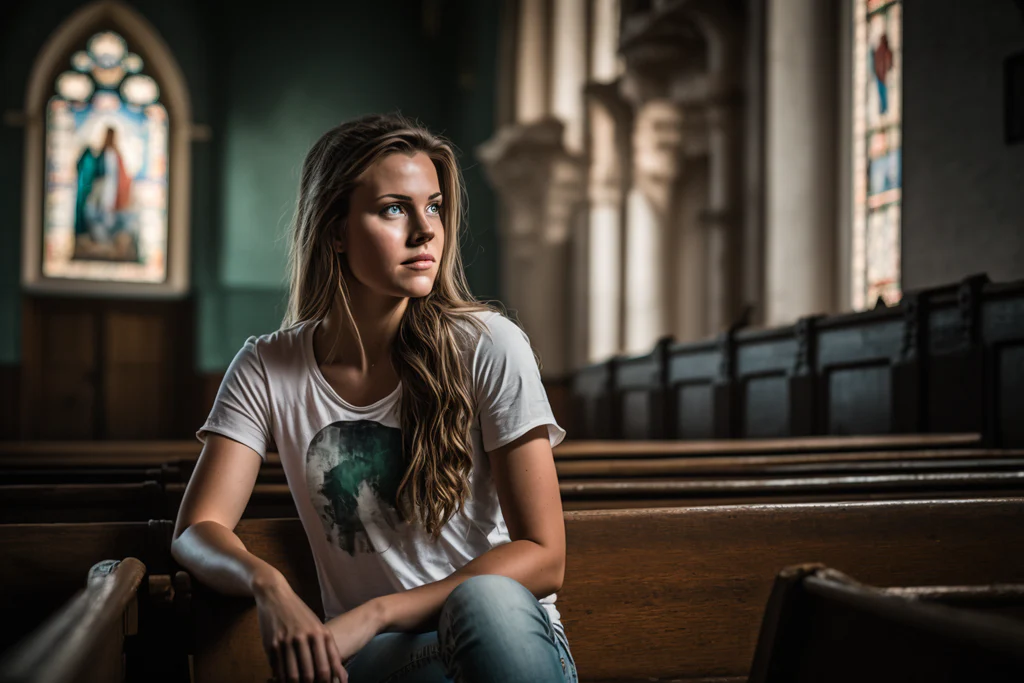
[(877, 146), (105, 210)]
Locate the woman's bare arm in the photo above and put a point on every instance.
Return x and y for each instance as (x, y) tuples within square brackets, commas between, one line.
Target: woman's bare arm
[(204, 539), (298, 644)]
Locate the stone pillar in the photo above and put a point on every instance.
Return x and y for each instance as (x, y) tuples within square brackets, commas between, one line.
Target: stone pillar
[(801, 148), (532, 61), (650, 215), (569, 69), (600, 285), (689, 56), (541, 187)]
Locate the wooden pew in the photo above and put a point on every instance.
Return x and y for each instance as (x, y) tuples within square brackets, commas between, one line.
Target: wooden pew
[(41, 455), (38, 463), (849, 462), (873, 462), (149, 500), (944, 358), (84, 640), (895, 480), (35, 503), (580, 449), (674, 593), (821, 625), (88, 475), (833, 487), (799, 464), (45, 565)]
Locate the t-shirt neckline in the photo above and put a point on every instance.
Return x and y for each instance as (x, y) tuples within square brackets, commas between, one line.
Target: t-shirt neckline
[(318, 377)]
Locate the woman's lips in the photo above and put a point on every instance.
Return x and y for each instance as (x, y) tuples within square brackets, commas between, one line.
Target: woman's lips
[(422, 264)]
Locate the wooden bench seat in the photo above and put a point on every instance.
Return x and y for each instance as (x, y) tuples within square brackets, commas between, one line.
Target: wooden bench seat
[(821, 625), (657, 594), (84, 639)]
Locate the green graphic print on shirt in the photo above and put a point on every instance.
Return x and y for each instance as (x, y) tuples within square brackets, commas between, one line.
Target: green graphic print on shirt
[(353, 470)]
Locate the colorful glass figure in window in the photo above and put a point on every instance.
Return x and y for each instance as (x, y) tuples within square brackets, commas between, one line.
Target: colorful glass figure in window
[(105, 213)]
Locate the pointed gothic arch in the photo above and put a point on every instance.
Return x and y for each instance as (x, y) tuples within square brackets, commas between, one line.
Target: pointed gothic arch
[(53, 59)]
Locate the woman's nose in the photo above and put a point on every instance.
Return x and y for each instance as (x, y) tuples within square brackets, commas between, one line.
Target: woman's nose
[(422, 232)]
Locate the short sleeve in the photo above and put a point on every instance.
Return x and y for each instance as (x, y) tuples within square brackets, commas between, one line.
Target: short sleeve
[(511, 399), (241, 410)]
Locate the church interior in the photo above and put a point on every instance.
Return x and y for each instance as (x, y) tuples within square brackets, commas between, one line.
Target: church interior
[(769, 255)]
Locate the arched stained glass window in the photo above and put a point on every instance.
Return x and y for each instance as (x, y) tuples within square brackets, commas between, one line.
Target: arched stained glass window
[(106, 191), (877, 143)]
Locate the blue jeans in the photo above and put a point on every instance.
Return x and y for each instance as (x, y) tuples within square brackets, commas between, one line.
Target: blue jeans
[(491, 629)]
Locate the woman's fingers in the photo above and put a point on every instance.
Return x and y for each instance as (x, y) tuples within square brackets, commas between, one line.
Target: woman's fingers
[(321, 666), (334, 658), (291, 664), (307, 672), (277, 664)]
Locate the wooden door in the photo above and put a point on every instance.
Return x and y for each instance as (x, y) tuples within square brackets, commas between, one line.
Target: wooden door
[(106, 369)]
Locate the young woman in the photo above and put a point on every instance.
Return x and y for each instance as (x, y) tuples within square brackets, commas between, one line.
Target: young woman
[(414, 431)]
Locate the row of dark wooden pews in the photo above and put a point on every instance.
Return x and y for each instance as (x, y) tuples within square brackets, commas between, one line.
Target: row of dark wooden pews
[(669, 574), (83, 485), (651, 594), (945, 359)]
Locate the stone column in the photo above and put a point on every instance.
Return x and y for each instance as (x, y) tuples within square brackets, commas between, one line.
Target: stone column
[(541, 187), (801, 148), (650, 216), (532, 61), (569, 69), (600, 285)]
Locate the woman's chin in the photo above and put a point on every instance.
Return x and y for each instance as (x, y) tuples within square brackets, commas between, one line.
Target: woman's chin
[(418, 289)]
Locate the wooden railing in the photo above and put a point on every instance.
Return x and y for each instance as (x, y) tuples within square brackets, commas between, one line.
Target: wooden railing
[(84, 639)]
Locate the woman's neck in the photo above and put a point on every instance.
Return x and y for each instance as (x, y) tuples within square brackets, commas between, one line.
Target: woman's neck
[(377, 318)]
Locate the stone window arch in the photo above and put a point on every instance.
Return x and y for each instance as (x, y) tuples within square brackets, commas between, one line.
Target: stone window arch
[(107, 167)]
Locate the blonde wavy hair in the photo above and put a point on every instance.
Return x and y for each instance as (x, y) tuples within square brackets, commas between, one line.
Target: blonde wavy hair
[(437, 400)]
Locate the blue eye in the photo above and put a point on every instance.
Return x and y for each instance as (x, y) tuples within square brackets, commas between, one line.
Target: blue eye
[(436, 207), (387, 210)]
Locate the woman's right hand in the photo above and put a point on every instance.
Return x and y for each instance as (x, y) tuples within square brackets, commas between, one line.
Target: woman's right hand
[(298, 644)]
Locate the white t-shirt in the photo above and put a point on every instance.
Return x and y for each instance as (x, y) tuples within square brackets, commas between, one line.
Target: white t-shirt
[(344, 462)]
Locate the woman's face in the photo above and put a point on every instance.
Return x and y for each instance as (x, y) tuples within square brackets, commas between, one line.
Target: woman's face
[(395, 216)]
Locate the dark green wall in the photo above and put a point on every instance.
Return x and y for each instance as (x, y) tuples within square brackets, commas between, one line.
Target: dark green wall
[(268, 83)]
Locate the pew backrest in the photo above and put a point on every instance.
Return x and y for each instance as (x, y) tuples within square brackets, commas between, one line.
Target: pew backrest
[(821, 625), (680, 592), (72, 503)]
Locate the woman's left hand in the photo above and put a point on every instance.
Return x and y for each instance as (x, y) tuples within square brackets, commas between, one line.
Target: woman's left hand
[(355, 628)]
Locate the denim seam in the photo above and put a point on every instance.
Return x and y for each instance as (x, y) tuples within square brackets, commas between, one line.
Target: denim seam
[(569, 667)]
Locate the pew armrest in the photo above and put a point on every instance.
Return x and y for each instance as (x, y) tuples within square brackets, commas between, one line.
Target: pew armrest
[(95, 621)]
